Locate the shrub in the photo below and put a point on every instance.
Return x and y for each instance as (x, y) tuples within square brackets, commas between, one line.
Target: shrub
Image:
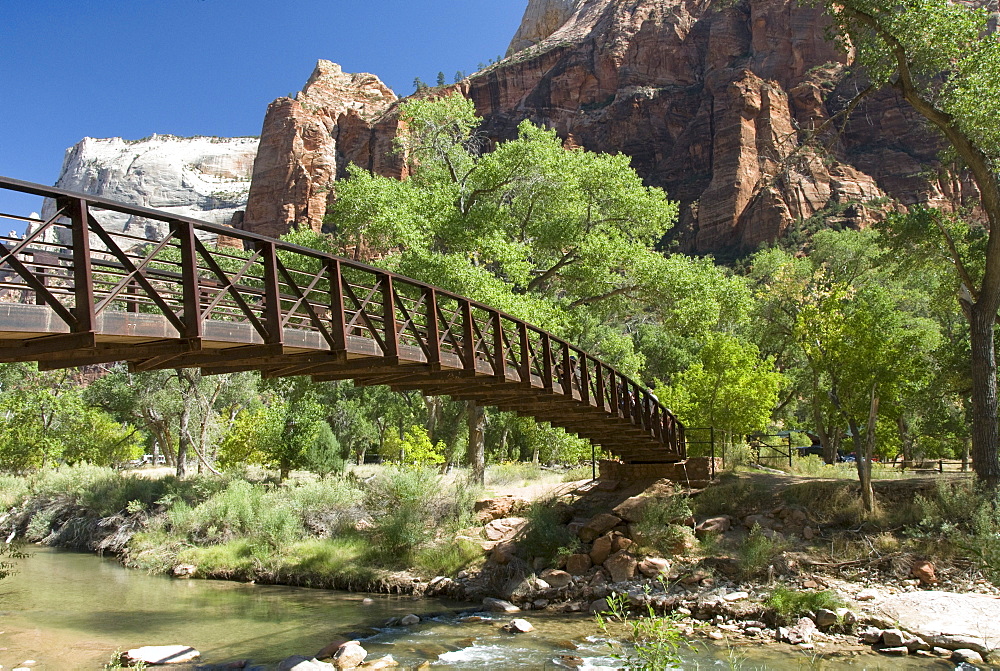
[(545, 535), (401, 502), (757, 553), (242, 509), (658, 527), (789, 605)]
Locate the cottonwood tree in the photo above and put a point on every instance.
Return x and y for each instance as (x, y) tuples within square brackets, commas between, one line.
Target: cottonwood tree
[(943, 58), (531, 228)]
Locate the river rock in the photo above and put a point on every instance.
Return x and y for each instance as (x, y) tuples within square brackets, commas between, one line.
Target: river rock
[(502, 529), (300, 663), (897, 651), (601, 550), (162, 654), (632, 509), (924, 571), (499, 606), (802, 632), (598, 525), (713, 525), (519, 626), (654, 566), (621, 566), (578, 564), (184, 570), (498, 507), (556, 578), (967, 656), (599, 606), (824, 617), (947, 619), (350, 655), (410, 620)]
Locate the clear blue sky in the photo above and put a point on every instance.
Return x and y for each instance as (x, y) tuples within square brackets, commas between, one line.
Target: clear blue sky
[(131, 68)]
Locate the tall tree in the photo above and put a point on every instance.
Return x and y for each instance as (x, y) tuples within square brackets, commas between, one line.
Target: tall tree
[(944, 59)]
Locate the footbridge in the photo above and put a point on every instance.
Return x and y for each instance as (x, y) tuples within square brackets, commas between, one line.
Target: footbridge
[(75, 293)]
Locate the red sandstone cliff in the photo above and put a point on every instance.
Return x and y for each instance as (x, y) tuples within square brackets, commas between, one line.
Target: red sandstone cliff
[(714, 101)]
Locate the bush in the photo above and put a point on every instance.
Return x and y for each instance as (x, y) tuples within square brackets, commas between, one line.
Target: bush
[(241, 510), (789, 604), (545, 535), (968, 519), (757, 554), (659, 527), (402, 504)]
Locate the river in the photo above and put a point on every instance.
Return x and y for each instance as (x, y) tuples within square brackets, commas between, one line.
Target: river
[(68, 610)]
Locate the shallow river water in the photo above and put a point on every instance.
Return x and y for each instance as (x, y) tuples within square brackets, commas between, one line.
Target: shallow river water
[(68, 610)]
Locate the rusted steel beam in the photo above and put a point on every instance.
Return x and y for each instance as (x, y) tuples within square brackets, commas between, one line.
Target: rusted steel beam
[(108, 353), (242, 355), (39, 346)]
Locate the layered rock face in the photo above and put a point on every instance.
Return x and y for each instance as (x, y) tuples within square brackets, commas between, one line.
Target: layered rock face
[(733, 107), (206, 178), (301, 150)]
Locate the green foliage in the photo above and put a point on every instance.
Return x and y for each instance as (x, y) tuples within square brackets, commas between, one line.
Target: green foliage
[(662, 525), (791, 604), (968, 518), (325, 455), (546, 535), (730, 387), (735, 497), (653, 641), (404, 500), (447, 558), (414, 448), (243, 510), (757, 554)]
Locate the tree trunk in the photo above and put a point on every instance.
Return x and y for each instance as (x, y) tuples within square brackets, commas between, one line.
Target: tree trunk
[(905, 440), (864, 449), (966, 446), (984, 397), (183, 441), (477, 442)]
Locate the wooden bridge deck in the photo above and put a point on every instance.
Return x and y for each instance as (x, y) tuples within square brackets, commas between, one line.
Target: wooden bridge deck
[(75, 294)]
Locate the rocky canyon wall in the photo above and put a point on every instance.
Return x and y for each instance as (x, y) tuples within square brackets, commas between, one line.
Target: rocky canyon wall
[(204, 178), (735, 108)]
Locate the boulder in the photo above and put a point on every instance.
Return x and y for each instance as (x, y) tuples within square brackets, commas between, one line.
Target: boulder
[(162, 654), (599, 606), (893, 638), (923, 571), (387, 662), (946, 619), (184, 570), (498, 507), (578, 564), (631, 509), (713, 525), (654, 566), (556, 578), (896, 651), (802, 632), (621, 566), (598, 525), (503, 552), (499, 606), (967, 656), (620, 542), (824, 617), (300, 663), (519, 626), (349, 656), (410, 620), (601, 550), (502, 529)]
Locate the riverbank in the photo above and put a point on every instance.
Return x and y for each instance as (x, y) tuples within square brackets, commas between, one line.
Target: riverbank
[(727, 563)]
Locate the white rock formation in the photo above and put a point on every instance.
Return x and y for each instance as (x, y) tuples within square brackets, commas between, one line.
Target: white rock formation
[(206, 178)]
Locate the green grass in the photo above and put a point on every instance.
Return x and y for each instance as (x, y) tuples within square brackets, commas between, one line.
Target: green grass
[(757, 554), (790, 604), (545, 534), (447, 558)]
